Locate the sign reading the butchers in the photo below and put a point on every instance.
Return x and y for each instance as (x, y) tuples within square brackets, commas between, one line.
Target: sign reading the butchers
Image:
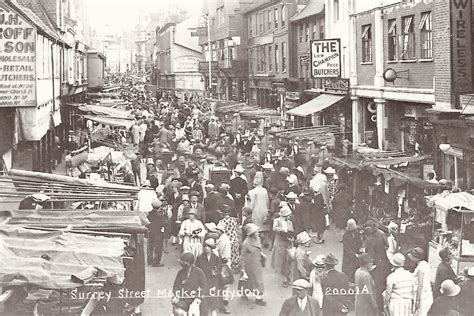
[(17, 60), (461, 52), (326, 58)]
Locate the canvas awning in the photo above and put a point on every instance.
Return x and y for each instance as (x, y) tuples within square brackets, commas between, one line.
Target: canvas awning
[(459, 201), (316, 105), (105, 110), (259, 113), (114, 122)]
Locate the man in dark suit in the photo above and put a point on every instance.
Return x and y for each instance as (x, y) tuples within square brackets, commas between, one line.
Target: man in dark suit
[(211, 204), (195, 205), (301, 304), (332, 284), (238, 189), (467, 293), (156, 232), (195, 186), (246, 144)]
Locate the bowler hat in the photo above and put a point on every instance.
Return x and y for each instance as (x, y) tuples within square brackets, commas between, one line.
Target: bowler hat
[(417, 253), (210, 242), (211, 226), (318, 262)]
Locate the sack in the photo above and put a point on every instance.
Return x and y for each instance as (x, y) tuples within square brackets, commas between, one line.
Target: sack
[(225, 275)]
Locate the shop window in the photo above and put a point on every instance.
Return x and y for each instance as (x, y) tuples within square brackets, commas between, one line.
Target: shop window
[(270, 64), (392, 39), (283, 57), (315, 31), (321, 29), (366, 44), (275, 18), (269, 19), (407, 39), (283, 16), (301, 32), (250, 26), (426, 36), (277, 58), (261, 22), (306, 26)]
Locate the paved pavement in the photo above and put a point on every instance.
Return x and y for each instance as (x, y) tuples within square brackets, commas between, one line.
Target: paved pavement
[(162, 278)]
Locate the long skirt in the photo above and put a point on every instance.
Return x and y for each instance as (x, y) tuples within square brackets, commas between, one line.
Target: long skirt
[(192, 245), (400, 307)]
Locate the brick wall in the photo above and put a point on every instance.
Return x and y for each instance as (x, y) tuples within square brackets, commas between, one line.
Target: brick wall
[(421, 71), (442, 51), (365, 71)]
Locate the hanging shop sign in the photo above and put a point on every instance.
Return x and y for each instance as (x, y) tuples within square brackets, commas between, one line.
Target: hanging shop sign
[(17, 60), (336, 85), (326, 58), (461, 52)]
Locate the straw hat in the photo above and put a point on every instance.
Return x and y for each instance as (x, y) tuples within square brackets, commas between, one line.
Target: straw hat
[(351, 224), (267, 166), (398, 260), (211, 227), (470, 272), (330, 170), (146, 184), (185, 197), (318, 262), (184, 188), (283, 204), (292, 179), (449, 288), (291, 195), (239, 169), (303, 238), (285, 211), (301, 284)]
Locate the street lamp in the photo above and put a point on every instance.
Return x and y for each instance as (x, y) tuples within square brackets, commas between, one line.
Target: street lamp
[(208, 21)]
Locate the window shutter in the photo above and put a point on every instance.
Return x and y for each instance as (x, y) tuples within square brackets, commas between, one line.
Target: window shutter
[(365, 31), (408, 21), (393, 28)]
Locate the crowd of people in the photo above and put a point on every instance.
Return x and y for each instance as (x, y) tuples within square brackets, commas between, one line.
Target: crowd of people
[(226, 197)]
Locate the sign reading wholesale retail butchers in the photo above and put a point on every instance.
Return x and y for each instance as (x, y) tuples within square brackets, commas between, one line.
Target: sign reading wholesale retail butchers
[(17, 60), (461, 51), (326, 58)]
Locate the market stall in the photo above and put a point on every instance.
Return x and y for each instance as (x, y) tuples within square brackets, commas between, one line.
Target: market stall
[(453, 227), (262, 118)]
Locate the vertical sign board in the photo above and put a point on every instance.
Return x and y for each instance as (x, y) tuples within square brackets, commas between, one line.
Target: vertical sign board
[(461, 52), (326, 58), (17, 60)]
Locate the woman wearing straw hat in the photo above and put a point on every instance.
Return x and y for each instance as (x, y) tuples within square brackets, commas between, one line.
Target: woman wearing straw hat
[(351, 245), (315, 276), (192, 231), (302, 264), (400, 291), (259, 203), (448, 303), (424, 294), (282, 225), (253, 261)]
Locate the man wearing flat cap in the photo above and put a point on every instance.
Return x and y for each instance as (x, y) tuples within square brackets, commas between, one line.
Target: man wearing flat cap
[(301, 303), (334, 281)]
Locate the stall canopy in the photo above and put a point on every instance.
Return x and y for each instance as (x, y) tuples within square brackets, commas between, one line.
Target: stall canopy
[(460, 201), (316, 105), (259, 113), (321, 134), (105, 110), (234, 107), (57, 260), (110, 121)]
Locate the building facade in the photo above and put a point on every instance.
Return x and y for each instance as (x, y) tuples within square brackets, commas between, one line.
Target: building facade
[(227, 52), (269, 52), (178, 56), (393, 85)]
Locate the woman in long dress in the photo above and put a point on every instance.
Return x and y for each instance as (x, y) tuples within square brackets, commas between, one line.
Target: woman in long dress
[(424, 294), (192, 231), (260, 205), (281, 226), (315, 276), (229, 225)]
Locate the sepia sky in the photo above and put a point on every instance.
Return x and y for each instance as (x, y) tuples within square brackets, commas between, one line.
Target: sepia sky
[(122, 14)]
